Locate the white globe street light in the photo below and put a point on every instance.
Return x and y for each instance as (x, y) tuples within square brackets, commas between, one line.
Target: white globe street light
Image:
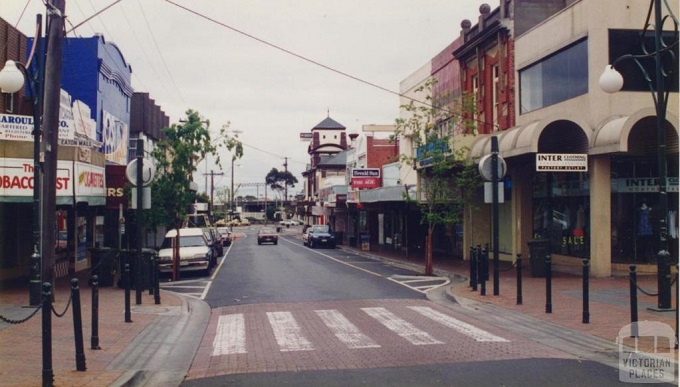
[(611, 81), (11, 78)]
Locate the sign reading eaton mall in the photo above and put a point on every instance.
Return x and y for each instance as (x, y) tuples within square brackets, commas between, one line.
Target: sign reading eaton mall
[(561, 162), (365, 178)]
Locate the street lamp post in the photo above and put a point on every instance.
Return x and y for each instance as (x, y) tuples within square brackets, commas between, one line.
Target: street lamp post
[(611, 81), (12, 79)]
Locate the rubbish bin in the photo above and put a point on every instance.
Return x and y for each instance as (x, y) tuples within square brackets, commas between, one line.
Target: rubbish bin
[(130, 257), (338, 237), (538, 250), (104, 265)]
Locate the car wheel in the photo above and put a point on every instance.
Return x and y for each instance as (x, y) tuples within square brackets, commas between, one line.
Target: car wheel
[(276, 242), (259, 243), (310, 244)]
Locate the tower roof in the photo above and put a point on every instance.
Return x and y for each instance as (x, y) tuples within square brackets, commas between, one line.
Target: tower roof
[(329, 123)]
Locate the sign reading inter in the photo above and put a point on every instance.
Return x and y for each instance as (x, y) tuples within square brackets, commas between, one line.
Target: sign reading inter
[(561, 162)]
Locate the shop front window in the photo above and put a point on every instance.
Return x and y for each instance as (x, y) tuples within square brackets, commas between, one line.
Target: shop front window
[(561, 208), (635, 210)]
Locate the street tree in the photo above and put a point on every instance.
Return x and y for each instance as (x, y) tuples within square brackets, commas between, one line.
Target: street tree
[(446, 177), (280, 181), (176, 158)]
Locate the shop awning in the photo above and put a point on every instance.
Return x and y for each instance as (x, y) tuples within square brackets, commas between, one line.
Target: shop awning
[(386, 194), (515, 141), (525, 139), (613, 135)]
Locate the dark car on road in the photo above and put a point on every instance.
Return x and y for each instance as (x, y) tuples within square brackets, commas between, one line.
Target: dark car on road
[(267, 234), (318, 235)]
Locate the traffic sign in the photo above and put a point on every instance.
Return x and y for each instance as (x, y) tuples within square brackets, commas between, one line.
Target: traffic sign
[(148, 172)]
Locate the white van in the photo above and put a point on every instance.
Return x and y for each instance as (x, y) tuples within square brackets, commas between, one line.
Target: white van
[(195, 253)]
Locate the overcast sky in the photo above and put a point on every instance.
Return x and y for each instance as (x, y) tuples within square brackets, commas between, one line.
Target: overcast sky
[(216, 65)]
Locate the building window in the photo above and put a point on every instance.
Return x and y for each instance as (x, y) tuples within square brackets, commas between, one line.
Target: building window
[(496, 91), (622, 42), (561, 212), (557, 78), (635, 209)]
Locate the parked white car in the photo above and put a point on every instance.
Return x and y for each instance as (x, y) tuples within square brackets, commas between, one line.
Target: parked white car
[(195, 253), (290, 222)]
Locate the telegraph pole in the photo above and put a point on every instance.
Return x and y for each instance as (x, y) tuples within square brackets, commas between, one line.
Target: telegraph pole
[(285, 183), (50, 141), (212, 186)]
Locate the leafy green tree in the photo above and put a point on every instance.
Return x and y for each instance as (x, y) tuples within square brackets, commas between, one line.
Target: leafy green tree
[(176, 158), (280, 181), (446, 176)]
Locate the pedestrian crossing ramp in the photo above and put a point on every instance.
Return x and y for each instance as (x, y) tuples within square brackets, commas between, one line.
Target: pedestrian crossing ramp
[(420, 283), (231, 334)]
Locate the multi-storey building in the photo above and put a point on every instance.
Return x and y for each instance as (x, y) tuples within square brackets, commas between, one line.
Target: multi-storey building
[(597, 207)]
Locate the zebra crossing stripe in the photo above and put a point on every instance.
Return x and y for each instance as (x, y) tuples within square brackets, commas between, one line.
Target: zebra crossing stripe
[(460, 326), (401, 327), (288, 333), (231, 335), (344, 330)]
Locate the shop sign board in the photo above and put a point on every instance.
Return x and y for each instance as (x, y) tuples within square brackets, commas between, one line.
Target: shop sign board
[(365, 178), (643, 184), (90, 180), (561, 162), (16, 177)]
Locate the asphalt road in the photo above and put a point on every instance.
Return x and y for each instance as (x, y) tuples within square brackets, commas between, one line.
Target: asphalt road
[(289, 315), (290, 272)]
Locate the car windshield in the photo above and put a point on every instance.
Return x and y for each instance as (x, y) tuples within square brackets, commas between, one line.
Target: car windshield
[(184, 241), (267, 230), (320, 229), (223, 230)]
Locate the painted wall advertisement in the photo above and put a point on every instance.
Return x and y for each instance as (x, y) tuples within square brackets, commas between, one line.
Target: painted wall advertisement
[(115, 138)]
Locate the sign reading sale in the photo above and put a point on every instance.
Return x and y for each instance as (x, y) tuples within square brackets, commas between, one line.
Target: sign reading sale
[(365, 178)]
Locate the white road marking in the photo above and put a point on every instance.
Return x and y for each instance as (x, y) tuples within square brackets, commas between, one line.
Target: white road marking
[(288, 333), (460, 326), (406, 280), (337, 260), (403, 328), (344, 330), (231, 335)]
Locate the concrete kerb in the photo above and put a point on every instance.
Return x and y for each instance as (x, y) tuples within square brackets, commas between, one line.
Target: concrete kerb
[(163, 352)]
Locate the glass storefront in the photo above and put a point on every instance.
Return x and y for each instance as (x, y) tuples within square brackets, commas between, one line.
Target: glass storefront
[(561, 212), (634, 210)]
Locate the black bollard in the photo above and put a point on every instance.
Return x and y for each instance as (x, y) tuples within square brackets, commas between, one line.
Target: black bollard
[(548, 284), (480, 262), (47, 373), (156, 283), (633, 302), (519, 279), (126, 274), (485, 253), (483, 267), (473, 269), (94, 338), (150, 276), (78, 326), (586, 295)]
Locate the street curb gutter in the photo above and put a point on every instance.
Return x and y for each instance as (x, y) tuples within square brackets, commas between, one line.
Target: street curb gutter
[(163, 352)]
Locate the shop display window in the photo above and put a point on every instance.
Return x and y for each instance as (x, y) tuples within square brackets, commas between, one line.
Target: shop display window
[(635, 210), (561, 212)]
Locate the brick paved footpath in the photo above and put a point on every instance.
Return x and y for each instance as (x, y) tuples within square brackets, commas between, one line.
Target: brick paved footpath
[(21, 352)]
